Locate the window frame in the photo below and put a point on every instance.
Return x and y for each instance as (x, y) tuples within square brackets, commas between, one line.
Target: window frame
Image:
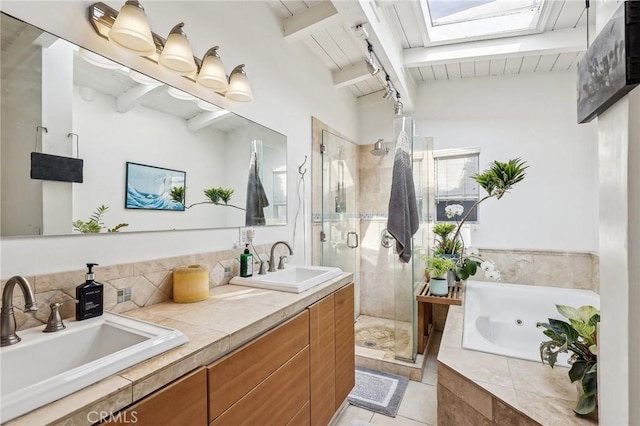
[(440, 155)]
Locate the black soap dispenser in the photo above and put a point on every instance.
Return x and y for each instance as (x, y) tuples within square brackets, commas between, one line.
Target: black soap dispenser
[(90, 297)]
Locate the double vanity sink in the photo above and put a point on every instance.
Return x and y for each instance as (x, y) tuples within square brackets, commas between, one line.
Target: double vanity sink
[(44, 367)]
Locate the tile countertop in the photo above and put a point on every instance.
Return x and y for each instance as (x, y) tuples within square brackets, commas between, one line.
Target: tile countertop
[(231, 316), (541, 393)]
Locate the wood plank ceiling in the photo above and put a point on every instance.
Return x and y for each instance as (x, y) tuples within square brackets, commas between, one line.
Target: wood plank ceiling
[(338, 48)]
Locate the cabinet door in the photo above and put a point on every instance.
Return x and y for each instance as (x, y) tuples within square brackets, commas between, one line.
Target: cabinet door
[(183, 402), (345, 366), (235, 375), (275, 401), (322, 360)]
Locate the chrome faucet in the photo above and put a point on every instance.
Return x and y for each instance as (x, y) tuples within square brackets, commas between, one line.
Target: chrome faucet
[(8, 334), (272, 261)]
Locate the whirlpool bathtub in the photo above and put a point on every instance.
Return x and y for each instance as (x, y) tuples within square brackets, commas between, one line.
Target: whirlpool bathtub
[(501, 318)]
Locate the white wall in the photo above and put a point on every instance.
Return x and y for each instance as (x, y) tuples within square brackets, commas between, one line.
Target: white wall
[(21, 114), (531, 116), (150, 137), (289, 84)]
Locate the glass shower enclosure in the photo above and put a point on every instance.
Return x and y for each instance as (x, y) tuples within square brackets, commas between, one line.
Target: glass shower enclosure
[(356, 188)]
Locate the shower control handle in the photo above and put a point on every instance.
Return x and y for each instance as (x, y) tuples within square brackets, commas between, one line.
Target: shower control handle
[(349, 244)]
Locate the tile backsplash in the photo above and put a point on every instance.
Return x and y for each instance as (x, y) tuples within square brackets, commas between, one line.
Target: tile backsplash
[(150, 282)]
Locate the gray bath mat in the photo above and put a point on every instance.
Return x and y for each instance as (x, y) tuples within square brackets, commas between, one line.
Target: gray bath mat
[(378, 391)]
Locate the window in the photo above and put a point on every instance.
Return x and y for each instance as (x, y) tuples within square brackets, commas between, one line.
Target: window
[(451, 20), (454, 184)]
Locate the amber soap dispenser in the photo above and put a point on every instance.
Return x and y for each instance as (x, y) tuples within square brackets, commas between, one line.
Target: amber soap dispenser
[(90, 296)]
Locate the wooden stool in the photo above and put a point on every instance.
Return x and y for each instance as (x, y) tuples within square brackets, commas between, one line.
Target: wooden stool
[(425, 304)]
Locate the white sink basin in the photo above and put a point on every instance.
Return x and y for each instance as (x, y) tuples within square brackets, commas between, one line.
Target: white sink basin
[(292, 279), (44, 367)]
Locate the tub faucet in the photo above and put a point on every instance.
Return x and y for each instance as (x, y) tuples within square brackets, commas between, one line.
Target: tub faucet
[(272, 261), (8, 334)]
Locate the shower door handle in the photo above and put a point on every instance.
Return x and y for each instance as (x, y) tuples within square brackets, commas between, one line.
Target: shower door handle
[(349, 244)]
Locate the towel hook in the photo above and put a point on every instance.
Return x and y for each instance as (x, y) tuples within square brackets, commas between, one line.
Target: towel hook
[(300, 171), (71, 135), (44, 130)]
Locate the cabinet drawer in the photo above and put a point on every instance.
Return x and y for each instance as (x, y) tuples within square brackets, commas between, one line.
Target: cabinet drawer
[(276, 401), (182, 402), (233, 376), (302, 417)]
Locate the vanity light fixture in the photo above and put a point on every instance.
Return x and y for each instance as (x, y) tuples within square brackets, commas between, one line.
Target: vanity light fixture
[(177, 54), (207, 106), (138, 77), (131, 30), (212, 73), (98, 60), (179, 94), (239, 87)]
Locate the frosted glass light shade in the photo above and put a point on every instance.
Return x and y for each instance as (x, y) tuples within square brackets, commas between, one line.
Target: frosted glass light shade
[(131, 30), (98, 60), (239, 87), (212, 73), (179, 94), (177, 54)]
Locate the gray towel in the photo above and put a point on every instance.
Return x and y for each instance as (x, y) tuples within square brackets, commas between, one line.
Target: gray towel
[(256, 197), (403, 218)]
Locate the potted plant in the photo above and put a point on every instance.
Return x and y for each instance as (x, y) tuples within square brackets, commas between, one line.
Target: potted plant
[(497, 180), (438, 267), (579, 337)]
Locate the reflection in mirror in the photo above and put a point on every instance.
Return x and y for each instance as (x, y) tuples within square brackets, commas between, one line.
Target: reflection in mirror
[(68, 103)]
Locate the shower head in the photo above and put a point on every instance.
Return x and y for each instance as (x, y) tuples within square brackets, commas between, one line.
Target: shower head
[(379, 149)]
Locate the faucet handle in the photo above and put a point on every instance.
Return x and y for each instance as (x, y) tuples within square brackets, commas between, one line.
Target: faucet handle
[(281, 262), (54, 323)]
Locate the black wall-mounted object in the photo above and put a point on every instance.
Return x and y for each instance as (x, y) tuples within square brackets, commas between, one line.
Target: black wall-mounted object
[(611, 66), (55, 167)]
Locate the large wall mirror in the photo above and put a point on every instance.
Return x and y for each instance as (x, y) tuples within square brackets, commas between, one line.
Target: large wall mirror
[(155, 157)]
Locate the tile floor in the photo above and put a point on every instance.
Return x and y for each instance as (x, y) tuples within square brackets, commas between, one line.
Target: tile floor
[(418, 406)]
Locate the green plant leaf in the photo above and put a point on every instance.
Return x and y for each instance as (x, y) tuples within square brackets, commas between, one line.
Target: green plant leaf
[(586, 404), (562, 328), (595, 319), (585, 330), (118, 227), (569, 312), (578, 370), (587, 312), (590, 384)]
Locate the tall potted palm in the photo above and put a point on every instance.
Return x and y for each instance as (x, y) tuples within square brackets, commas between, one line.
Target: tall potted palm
[(497, 180)]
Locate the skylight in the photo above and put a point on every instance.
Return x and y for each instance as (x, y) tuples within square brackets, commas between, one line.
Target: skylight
[(456, 20)]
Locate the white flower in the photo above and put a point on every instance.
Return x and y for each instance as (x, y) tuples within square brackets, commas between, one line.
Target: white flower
[(453, 210), (472, 251), (488, 266), (494, 274)]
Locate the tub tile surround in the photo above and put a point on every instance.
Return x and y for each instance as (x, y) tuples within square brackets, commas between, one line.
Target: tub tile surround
[(230, 316), (151, 282), (567, 269), (489, 389)]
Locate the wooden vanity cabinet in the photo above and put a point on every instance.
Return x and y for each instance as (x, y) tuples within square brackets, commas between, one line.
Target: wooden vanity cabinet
[(180, 403), (332, 353), (297, 374), (264, 382)]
